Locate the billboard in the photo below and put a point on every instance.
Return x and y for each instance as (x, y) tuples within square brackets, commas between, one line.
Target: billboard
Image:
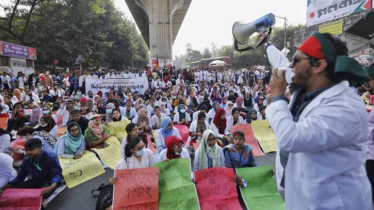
[(320, 11), (17, 51), (333, 28)]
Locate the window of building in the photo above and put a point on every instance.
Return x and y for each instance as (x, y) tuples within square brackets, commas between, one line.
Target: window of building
[(4, 61)]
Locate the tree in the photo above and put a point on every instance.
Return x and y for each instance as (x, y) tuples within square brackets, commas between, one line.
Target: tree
[(206, 53)]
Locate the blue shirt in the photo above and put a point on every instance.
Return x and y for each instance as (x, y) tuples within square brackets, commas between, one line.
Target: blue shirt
[(75, 82), (46, 168), (235, 160)]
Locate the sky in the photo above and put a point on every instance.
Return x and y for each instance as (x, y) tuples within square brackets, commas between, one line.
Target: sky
[(210, 21)]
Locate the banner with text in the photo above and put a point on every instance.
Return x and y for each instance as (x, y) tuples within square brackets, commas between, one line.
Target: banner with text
[(21, 199), (216, 189), (136, 189), (333, 28), (265, 135), (261, 193), (139, 84), (110, 155), (77, 171), (249, 137), (176, 191), (322, 11)]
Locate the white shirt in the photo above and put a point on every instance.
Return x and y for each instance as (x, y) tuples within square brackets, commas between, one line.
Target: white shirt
[(132, 162), (5, 143), (196, 160), (230, 121), (7, 172), (176, 117), (155, 120), (215, 130), (21, 82)]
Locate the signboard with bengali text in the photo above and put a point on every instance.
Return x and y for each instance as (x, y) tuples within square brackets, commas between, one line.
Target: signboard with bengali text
[(17, 51)]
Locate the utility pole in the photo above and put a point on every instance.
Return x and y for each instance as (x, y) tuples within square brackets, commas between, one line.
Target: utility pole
[(285, 30)]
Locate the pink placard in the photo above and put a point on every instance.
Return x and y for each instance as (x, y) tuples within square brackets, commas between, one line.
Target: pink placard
[(21, 199), (183, 131)]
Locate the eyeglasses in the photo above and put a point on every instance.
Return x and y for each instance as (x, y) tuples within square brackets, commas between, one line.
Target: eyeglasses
[(74, 130), (296, 60)]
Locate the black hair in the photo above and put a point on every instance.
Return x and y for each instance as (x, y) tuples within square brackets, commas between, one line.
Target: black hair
[(33, 143), (144, 138), (130, 146), (234, 110), (18, 103), (341, 49), (25, 130), (156, 107), (201, 115), (129, 128)]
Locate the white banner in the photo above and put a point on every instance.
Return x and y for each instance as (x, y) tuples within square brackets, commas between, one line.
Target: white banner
[(320, 11), (139, 84)]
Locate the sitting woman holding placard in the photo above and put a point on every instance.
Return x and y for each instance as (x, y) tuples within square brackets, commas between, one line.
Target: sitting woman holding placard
[(209, 154), (174, 149), (96, 133), (71, 145), (136, 156)]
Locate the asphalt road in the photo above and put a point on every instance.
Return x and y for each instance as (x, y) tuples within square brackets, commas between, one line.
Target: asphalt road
[(79, 197)]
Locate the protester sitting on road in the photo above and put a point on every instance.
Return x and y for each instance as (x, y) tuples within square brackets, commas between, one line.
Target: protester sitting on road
[(109, 112), (71, 145), (143, 121), (182, 117), (197, 128), (174, 149), (18, 118), (86, 111), (251, 116), (235, 118), (220, 128), (47, 110), (42, 167), (48, 125), (132, 132), (96, 134), (48, 141), (239, 154), (35, 115), (117, 117), (209, 154), (7, 172), (157, 118), (77, 117), (167, 129), (65, 109), (136, 156), (212, 111)]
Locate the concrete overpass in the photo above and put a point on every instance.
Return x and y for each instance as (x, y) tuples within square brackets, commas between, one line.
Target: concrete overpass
[(159, 22)]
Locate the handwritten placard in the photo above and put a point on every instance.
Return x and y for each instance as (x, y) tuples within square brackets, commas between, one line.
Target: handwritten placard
[(77, 171), (110, 155), (216, 189), (21, 199), (265, 135), (136, 189), (249, 137), (261, 193), (176, 191)]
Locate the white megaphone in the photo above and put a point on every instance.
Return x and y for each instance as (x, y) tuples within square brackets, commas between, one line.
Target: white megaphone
[(243, 30)]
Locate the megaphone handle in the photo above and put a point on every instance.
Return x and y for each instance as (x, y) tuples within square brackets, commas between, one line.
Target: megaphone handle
[(236, 45)]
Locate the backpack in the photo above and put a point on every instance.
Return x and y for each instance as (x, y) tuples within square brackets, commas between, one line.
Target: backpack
[(104, 196)]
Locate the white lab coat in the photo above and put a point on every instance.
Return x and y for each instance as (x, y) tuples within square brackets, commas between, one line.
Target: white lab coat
[(327, 149)]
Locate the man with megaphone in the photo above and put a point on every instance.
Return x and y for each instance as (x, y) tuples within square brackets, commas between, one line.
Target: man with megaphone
[(324, 129)]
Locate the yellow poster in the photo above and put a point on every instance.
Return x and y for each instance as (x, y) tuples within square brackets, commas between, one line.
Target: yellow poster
[(333, 28), (110, 155), (77, 171), (265, 135), (116, 127)]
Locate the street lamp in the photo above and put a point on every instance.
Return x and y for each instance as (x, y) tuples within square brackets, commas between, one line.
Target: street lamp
[(285, 29)]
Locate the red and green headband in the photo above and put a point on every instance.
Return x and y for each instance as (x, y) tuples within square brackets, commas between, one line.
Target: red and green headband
[(319, 47)]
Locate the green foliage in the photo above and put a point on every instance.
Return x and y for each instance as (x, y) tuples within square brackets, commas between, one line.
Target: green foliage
[(63, 29)]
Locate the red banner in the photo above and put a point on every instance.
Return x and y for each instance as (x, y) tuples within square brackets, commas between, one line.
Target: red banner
[(183, 131), (216, 189), (249, 137), (21, 199), (136, 189)]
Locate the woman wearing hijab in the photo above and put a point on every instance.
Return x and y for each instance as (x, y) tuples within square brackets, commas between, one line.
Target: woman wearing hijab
[(228, 108), (35, 115), (71, 145), (251, 116), (260, 102), (235, 118), (212, 111), (174, 149), (48, 124), (216, 97), (47, 111), (167, 129), (143, 121), (109, 112), (239, 104), (197, 128), (209, 154), (182, 117), (96, 134), (219, 127)]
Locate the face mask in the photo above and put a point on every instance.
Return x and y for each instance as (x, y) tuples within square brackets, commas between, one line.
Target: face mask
[(79, 93), (109, 111), (35, 109), (45, 111), (183, 110), (140, 153)]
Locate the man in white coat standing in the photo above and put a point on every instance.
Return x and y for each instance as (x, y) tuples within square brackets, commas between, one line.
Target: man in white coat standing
[(324, 130)]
